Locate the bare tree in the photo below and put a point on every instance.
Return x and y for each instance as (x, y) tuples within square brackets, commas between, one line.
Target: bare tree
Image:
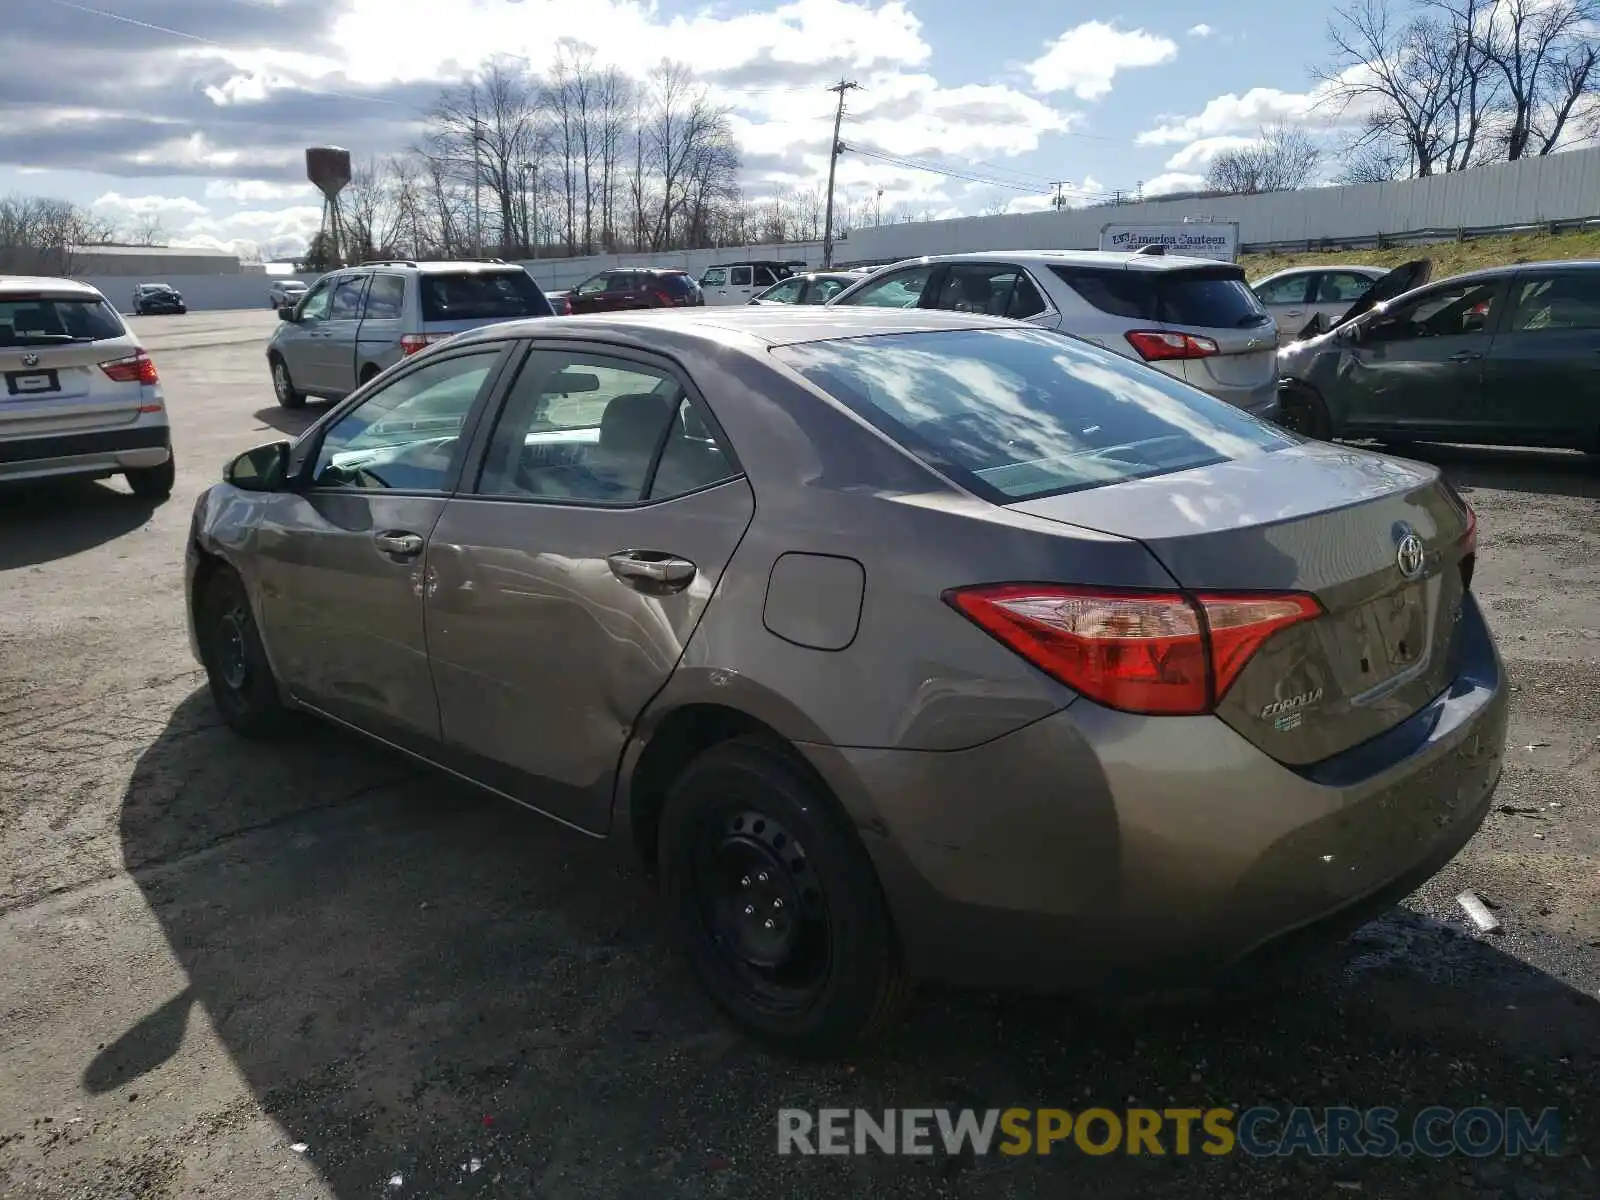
[(42, 235), (1547, 53), (1420, 83), (147, 230), (372, 211), (1281, 160)]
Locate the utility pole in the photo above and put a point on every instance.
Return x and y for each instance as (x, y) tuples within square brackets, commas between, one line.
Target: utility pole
[(477, 186), (1058, 201), (843, 86)]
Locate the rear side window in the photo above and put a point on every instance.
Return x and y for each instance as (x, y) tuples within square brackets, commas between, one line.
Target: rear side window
[(482, 296), (386, 298), (42, 321), (1556, 302), (1214, 299), (677, 283), (1013, 414)]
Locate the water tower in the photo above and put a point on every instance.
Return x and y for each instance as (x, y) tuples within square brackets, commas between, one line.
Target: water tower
[(329, 168)]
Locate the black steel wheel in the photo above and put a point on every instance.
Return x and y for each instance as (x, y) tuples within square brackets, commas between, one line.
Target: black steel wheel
[(242, 684), (776, 901), (1303, 412)]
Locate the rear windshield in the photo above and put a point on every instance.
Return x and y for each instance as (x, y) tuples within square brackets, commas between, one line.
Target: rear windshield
[(1016, 414), (1215, 299), (482, 296), (34, 321), (677, 283)]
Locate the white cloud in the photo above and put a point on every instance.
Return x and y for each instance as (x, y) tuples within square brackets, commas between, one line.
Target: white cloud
[(256, 191), (1085, 59), (1173, 181), (1232, 113), (171, 211), (1199, 153), (1201, 30)]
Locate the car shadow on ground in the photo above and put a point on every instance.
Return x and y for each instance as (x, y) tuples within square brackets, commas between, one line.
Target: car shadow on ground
[(1509, 469), (291, 421), (44, 521), (413, 978)]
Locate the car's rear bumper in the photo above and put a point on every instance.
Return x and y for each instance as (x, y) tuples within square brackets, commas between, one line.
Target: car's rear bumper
[(1097, 849), (96, 452)]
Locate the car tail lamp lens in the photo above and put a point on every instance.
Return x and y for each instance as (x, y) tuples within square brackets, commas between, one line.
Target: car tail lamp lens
[(138, 367), (1161, 653), (410, 343), (1156, 345), (1469, 539)]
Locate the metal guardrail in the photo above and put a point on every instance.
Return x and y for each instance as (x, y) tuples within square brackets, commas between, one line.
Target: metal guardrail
[(1419, 237)]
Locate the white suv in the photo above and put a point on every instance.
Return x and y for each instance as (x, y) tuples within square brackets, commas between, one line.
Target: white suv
[(1192, 318), (80, 395)]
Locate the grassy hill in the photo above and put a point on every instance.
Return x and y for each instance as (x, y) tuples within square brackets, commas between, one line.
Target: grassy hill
[(1449, 258)]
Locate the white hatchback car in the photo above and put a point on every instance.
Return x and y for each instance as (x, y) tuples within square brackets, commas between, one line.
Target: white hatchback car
[(1192, 318), (1295, 297), (80, 395)]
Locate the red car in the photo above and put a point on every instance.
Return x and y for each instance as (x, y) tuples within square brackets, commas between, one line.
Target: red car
[(623, 288)]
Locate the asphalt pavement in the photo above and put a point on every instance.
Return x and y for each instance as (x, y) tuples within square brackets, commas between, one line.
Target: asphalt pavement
[(307, 969)]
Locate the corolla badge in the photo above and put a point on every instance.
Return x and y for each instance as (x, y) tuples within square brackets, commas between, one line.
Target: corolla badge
[(1289, 713), (30, 360), (1410, 555)]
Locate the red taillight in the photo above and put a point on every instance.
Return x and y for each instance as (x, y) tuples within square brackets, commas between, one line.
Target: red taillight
[(663, 296), (1162, 653), (137, 367), (1469, 539), (410, 343), (1155, 345)]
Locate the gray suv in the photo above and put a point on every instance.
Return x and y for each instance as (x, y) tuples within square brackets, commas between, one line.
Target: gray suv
[(353, 323)]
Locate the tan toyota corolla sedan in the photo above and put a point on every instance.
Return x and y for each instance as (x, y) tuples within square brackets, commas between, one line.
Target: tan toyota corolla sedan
[(904, 644)]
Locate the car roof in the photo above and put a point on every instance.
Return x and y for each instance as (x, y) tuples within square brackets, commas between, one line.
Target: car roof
[(1104, 259), (770, 325), (1500, 272), (47, 283), (1362, 268)]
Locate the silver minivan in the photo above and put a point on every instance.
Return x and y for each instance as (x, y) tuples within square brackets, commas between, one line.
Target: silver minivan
[(353, 323)]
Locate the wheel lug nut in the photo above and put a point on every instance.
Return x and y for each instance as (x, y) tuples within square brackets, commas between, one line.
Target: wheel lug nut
[(762, 878), (745, 882), (749, 910), (777, 904), (769, 923)]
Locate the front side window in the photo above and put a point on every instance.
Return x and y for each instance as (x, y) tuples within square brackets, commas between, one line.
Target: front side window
[(1289, 290), (406, 435), (715, 277), (1014, 414), (1569, 300), (592, 429), (314, 305), (787, 292), (902, 289), (592, 286), (1454, 310)]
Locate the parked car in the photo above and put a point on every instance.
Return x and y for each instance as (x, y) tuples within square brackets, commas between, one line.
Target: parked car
[(81, 396), (560, 303), (1191, 318), (622, 289), (1508, 356), (351, 324), (1296, 296), (812, 287), (738, 282), (1135, 685), (285, 291), (157, 298)]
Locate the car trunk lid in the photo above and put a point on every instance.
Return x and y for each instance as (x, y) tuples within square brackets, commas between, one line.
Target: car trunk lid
[(1320, 519), (61, 387)]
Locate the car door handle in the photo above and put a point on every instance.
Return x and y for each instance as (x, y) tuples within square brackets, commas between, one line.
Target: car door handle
[(651, 571), (1295, 312), (398, 543), (1463, 356)]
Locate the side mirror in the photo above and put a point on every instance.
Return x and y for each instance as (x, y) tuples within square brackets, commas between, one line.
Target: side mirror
[(261, 469), (286, 312)]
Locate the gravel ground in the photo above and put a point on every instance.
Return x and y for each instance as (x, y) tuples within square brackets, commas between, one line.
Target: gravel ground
[(213, 952)]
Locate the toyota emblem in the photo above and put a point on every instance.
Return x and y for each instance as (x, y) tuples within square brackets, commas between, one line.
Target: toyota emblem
[(30, 360), (1411, 555)]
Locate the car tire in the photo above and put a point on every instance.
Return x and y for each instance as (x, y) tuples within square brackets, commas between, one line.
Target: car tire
[(283, 386), (183, 310), (776, 903), (243, 686), (368, 374), (1304, 412), (153, 483)]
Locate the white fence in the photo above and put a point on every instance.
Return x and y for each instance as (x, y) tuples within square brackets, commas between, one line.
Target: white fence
[(200, 292), (1559, 187)]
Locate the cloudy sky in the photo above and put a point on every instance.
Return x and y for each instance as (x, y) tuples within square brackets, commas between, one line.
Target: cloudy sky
[(198, 110)]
